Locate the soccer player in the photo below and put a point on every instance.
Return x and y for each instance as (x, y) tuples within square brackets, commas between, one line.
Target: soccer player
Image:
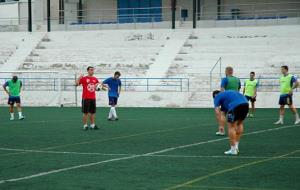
[(230, 82), (14, 90), (250, 91), (236, 106), (287, 84), (114, 84), (89, 84)]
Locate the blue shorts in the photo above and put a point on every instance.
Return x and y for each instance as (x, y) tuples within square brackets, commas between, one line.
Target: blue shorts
[(14, 99), (286, 99), (113, 101)]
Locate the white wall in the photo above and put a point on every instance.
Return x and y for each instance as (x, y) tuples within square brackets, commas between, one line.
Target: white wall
[(9, 11)]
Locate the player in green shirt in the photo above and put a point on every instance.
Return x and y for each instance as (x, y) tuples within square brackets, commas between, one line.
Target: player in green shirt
[(250, 91), (288, 83), (230, 82), (14, 89)]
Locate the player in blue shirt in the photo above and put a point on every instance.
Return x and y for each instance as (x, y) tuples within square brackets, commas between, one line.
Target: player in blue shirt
[(114, 84), (236, 107)]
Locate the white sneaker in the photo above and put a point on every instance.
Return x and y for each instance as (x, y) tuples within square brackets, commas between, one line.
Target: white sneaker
[(21, 117), (231, 152), (12, 119), (279, 122), (219, 133), (297, 122)]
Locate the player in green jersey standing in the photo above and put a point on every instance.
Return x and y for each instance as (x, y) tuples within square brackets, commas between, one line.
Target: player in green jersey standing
[(288, 83), (14, 89), (250, 92)]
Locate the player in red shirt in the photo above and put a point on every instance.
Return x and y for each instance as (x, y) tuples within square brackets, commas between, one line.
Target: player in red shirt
[(89, 84)]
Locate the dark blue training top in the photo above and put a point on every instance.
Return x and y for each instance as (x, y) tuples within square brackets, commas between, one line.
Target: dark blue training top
[(114, 85), (228, 100)]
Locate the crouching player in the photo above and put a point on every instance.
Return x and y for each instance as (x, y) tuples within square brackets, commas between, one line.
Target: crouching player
[(236, 107), (114, 85), (14, 89)]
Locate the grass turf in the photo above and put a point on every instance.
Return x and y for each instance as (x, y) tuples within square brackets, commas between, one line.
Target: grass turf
[(51, 139)]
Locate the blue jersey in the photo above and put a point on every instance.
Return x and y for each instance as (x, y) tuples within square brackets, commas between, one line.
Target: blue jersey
[(229, 100), (114, 85)]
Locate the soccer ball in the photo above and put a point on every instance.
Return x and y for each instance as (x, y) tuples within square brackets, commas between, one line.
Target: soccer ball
[(100, 87)]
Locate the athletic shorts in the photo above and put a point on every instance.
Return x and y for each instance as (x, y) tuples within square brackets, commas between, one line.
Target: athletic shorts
[(286, 99), (88, 106), (14, 99), (112, 101), (238, 113), (251, 99)]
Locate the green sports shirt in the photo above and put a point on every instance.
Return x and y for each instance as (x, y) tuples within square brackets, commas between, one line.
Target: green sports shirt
[(14, 87), (250, 87)]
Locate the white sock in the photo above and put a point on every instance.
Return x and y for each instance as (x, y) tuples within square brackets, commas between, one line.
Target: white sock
[(93, 125), (237, 145), (297, 116), (114, 113), (20, 114), (281, 118), (232, 148), (12, 115), (110, 113)]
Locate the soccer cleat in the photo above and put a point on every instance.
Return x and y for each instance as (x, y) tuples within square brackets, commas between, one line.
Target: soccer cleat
[(94, 128), (21, 117), (109, 119), (251, 115), (219, 133), (12, 119), (231, 152), (279, 122), (85, 128), (117, 119), (297, 122)]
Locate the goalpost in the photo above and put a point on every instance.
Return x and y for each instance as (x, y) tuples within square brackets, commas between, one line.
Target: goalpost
[(42, 88)]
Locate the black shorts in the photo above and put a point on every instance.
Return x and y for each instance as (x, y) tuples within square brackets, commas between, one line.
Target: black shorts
[(113, 101), (14, 99), (88, 106), (286, 99), (251, 99), (238, 113)]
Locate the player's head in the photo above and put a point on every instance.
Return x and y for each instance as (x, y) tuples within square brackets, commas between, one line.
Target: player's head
[(215, 93), (117, 75), (229, 71), (284, 69), (90, 70), (252, 75), (14, 79)]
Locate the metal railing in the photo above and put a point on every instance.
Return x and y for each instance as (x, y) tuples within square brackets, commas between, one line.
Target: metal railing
[(128, 84), (219, 62)]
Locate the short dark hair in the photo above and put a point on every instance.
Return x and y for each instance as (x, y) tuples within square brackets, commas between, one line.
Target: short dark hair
[(14, 79), (252, 72), (285, 67), (117, 73), (215, 93), (89, 67)]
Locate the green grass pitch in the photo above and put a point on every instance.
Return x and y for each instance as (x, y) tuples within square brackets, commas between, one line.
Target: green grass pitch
[(149, 148)]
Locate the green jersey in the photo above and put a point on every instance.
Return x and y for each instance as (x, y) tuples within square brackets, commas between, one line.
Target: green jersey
[(14, 87), (250, 87), (286, 83), (231, 83)]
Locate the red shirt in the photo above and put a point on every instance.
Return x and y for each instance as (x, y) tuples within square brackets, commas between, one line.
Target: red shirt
[(89, 87)]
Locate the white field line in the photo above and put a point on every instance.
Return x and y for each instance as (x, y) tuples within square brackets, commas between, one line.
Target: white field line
[(132, 157)]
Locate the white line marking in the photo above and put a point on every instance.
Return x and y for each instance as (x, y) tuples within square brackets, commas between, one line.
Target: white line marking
[(134, 156), (156, 155)]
